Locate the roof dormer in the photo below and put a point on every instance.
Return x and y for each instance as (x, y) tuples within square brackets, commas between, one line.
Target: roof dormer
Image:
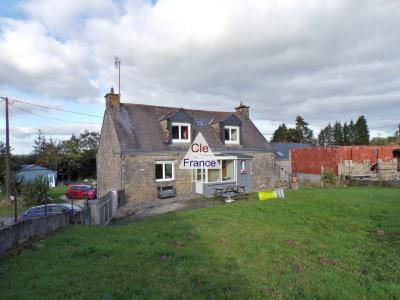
[(177, 127), (228, 128)]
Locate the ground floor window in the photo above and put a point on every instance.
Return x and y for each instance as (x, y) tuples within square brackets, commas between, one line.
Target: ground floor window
[(164, 170), (225, 173)]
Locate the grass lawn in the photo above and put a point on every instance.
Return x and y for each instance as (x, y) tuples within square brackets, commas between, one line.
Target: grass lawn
[(329, 244), (56, 192)]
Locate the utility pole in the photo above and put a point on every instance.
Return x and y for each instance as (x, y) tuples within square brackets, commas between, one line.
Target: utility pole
[(398, 135), (8, 172)]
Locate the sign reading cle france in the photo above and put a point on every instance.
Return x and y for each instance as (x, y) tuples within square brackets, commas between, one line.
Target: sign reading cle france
[(199, 155)]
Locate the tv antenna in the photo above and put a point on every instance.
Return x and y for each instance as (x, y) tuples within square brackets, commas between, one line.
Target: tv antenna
[(117, 64)]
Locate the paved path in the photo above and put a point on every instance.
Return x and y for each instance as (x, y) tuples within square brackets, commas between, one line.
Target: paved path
[(164, 206)]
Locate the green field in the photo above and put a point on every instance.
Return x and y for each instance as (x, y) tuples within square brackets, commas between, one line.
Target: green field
[(316, 244), (56, 192)]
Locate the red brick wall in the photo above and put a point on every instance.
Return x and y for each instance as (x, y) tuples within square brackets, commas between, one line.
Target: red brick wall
[(310, 160), (362, 153)]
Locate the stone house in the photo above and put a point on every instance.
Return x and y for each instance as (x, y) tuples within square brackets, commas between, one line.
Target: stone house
[(141, 147)]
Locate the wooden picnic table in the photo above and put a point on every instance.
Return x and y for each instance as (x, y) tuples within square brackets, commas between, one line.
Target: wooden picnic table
[(226, 191)]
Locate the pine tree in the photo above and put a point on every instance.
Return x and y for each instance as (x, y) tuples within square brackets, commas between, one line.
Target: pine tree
[(39, 144), (326, 136), (337, 134), (304, 133), (322, 137), (346, 134), (280, 134), (352, 133), (362, 132)]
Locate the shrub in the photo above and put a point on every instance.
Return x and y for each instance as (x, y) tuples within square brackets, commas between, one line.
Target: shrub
[(34, 192), (328, 177)]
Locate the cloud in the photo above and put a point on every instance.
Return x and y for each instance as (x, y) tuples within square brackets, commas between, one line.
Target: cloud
[(326, 60), (60, 132)]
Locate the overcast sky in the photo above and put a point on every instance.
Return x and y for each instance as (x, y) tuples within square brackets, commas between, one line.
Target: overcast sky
[(325, 60)]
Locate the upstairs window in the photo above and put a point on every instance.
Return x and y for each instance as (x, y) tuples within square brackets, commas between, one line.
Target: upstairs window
[(180, 133), (164, 170), (231, 134)]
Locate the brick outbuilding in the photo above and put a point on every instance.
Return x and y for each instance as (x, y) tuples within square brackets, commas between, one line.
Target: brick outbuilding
[(382, 161)]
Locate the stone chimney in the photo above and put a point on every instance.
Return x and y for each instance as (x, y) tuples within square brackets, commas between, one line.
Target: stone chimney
[(112, 100), (243, 110)]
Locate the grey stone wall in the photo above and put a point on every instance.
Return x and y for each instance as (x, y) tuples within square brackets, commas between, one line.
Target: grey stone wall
[(108, 158), (139, 182), (262, 170), (24, 230)]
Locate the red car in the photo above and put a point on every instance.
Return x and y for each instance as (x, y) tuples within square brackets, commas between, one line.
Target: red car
[(81, 191)]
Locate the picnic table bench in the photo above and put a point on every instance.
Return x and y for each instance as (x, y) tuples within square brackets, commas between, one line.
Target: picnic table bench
[(231, 190)]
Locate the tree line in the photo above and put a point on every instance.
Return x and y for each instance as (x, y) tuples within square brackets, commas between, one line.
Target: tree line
[(350, 133), (73, 159)]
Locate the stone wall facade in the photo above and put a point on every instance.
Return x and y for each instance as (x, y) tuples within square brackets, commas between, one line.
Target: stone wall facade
[(139, 183), (262, 170), (138, 173), (108, 159)]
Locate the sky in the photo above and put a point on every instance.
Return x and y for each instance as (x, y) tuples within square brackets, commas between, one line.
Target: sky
[(325, 60)]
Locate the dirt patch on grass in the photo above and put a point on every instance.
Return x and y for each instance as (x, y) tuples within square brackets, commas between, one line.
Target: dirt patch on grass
[(380, 232), (298, 268), (267, 291), (292, 243), (165, 256), (178, 245), (327, 261), (222, 241)]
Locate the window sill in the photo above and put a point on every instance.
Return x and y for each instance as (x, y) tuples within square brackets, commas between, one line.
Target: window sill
[(164, 180), (232, 143)]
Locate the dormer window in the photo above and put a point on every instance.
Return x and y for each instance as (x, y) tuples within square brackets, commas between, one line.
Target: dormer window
[(231, 134), (180, 132)]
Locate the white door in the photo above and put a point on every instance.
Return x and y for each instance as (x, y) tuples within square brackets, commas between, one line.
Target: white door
[(199, 180), (52, 180)]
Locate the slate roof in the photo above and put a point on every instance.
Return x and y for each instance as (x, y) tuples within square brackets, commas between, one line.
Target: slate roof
[(32, 168), (138, 129), (282, 149)]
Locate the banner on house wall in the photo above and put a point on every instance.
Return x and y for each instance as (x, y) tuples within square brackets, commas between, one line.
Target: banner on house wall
[(199, 156)]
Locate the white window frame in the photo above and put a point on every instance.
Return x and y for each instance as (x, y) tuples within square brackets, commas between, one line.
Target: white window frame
[(235, 162), (163, 163), (230, 134), (180, 128)]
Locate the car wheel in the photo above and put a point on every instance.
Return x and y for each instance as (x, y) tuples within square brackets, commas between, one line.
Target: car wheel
[(68, 196)]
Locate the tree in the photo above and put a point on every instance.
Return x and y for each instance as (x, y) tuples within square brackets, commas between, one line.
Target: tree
[(337, 134), (293, 136), (352, 133), (325, 136), (280, 135), (39, 144), (362, 132), (304, 133), (346, 134)]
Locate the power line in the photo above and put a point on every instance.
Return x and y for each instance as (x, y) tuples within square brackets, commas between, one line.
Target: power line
[(56, 119), (55, 108)]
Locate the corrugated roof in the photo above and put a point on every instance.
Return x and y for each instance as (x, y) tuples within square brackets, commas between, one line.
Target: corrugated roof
[(138, 129)]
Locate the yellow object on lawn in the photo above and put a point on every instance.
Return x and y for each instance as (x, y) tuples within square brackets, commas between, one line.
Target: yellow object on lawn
[(267, 195)]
